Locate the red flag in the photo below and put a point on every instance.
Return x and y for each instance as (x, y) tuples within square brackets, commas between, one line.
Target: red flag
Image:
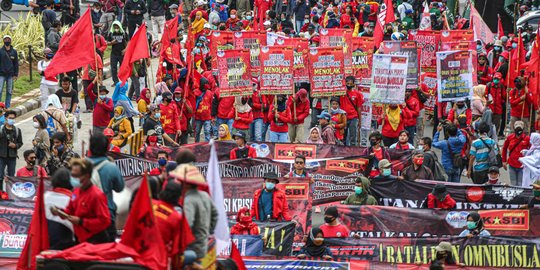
[(137, 49), (186, 237), (141, 232), (385, 16), (517, 58), (37, 238), (170, 51), (76, 48), (500, 29), (236, 257)]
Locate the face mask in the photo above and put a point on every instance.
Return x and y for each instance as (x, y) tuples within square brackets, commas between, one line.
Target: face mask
[(96, 10), (460, 106), (49, 56), (493, 181), (157, 115), (162, 162), (118, 117), (386, 172), (11, 122), (536, 193), (514, 45), (233, 16), (248, 18), (36, 125), (8, 43), (75, 182), (270, 185), (306, 21), (418, 161), (31, 162), (102, 96), (245, 219), (60, 148), (177, 99), (318, 241), (349, 87), (519, 131), (420, 147), (168, 99), (471, 225), (497, 48), (358, 190), (478, 47), (372, 143), (501, 59), (496, 81), (198, 44), (518, 85), (329, 219)]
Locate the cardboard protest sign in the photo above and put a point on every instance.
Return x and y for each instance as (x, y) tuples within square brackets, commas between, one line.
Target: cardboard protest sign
[(362, 59), (428, 45), (406, 48), (251, 40), (454, 75), (389, 79), (234, 71), (219, 41), (300, 64), (327, 74), (277, 70), (335, 37)]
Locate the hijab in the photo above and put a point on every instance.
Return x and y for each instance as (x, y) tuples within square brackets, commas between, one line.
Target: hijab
[(240, 106), (198, 24), (478, 93), (319, 140), (143, 96), (301, 95), (118, 120), (117, 23), (535, 143), (479, 223), (394, 117), (281, 105), (310, 247), (227, 133), (54, 101)]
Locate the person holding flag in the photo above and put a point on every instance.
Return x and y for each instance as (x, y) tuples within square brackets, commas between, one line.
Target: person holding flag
[(521, 102)]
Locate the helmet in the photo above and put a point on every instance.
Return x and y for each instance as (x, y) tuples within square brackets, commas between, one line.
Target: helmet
[(108, 132), (397, 36)]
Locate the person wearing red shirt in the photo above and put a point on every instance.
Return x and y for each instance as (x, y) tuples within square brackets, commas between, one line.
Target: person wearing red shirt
[(332, 228), (203, 111), (394, 122), (31, 169), (168, 220), (413, 105), (224, 106), (87, 80), (374, 9), (260, 14), (256, 127), (245, 224), (185, 105), (87, 210), (233, 20), (109, 133), (460, 108), (170, 117), (484, 72), (347, 18), (521, 102), (440, 199), (298, 104), (496, 97), (512, 149), (242, 150), (279, 117), (103, 107), (242, 115), (270, 203), (352, 103)]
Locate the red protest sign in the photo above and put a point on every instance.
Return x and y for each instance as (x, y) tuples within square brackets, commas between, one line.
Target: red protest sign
[(300, 65), (326, 72), (234, 73), (362, 59), (428, 45), (251, 40), (276, 70), (456, 35), (219, 41), (335, 37)]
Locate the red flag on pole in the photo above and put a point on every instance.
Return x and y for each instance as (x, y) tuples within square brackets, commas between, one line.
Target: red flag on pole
[(37, 239), (141, 232), (385, 16), (500, 29), (170, 51), (76, 48), (137, 49), (516, 59), (237, 257)]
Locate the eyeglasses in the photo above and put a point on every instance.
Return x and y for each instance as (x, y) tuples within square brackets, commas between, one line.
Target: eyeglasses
[(299, 162)]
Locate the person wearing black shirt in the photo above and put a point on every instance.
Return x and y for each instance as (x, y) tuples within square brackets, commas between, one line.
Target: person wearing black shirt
[(68, 97), (117, 39), (10, 141), (243, 150), (152, 122)]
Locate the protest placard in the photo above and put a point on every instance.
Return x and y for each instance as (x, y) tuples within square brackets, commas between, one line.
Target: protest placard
[(428, 45), (454, 75), (234, 71), (406, 48), (334, 37), (251, 40), (389, 79), (327, 76), (362, 59), (277, 70), (220, 41), (300, 64)]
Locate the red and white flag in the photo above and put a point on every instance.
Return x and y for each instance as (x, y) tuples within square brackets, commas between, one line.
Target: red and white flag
[(385, 16)]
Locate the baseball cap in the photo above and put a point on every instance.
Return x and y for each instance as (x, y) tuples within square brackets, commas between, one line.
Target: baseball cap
[(384, 163)]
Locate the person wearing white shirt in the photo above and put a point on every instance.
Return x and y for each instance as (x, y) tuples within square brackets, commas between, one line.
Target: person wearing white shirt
[(47, 86)]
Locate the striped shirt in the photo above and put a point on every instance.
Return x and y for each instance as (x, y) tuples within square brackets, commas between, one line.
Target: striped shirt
[(481, 152)]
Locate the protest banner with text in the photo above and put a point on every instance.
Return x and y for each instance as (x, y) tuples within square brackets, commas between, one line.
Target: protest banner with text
[(220, 41), (405, 48), (454, 75), (252, 41), (327, 74), (428, 44), (362, 59), (234, 70), (277, 70), (389, 79)]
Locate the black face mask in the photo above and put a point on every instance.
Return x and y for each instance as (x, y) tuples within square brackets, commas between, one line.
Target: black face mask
[(518, 85), (329, 219), (7, 43), (168, 99), (31, 162), (372, 143), (518, 131), (350, 87), (460, 106)]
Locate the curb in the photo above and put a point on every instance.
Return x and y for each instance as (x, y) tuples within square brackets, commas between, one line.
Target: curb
[(34, 103)]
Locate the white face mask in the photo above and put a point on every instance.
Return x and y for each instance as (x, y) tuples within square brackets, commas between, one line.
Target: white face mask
[(233, 16), (36, 124)]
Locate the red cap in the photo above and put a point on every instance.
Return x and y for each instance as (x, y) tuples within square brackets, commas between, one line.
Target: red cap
[(316, 39), (178, 90), (152, 139), (155, 171), (504, 55), (2, 105), (108, 132), (497, 75)]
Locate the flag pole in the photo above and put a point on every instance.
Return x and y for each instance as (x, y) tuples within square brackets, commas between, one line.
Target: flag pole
[(95, 58), (148, 78)]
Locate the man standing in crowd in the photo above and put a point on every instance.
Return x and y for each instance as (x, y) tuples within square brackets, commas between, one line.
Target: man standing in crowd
[(361, 194), (299, 168), (117, 39), (298, 104), (11, 140), (479, 155), (332, 227), (417, 170), (152, 122), (496, 93), (512, 150), (170, 118), (521, 104), (352, 103), (9, 69), (242, 150), (134, 10), (328, 132), (31, 169), (110, 9), (68, 96), (450, 150), (270, 203)]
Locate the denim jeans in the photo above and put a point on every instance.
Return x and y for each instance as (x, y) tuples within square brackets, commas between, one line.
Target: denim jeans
[(299, 25), (221, 121), (200, 124), (10, 163), (454, 175), (116, 60), (9, 88), (255, 130), (265, 129), (516, 175), (282, 137), (352, 132)]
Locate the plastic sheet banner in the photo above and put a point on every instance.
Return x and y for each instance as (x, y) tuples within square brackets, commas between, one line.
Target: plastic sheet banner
[(277, 70), (456, 35), (220, 41), (385, 221), (279, 238), (335, 37), (428, 45), (389, 79), (296, 264), (234, 70), (362, 59), (327, 73), (405, 48), (480, 28), (301, 52), (474, 253), (251, 40), (454, 75), (15, 217), (430, 82)]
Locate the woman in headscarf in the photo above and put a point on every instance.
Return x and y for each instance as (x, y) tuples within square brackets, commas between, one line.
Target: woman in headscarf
[(279, 117), (315, 247), (41, 141), (475, 226), (120, 98), (392, 123), (299, 106), (242, 115), (142, 104), (478, 103), (315, 136), (224, 133), (531, 161), (121, 127), (58, 120), (198, 24), (245, 224), (339, 118)]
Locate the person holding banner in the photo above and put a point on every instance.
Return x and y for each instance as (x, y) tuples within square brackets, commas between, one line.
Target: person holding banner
[(298, 104), (514, 146), (417, 170), (393, 122), (439, 198), (242, 150), (332, 228), (475, 226), (270, 203), (279, 116), (315, 247), (352, 103), (385, 171), (244, 224), (242, 115)]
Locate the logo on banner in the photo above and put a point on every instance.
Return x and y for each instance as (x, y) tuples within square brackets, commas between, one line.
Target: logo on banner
[(507, 193), (348, 166), (511, 220), (23, 189), (475, 194), (262, 149), (289, 151), (457, 219), (6, 227), (295, 191)]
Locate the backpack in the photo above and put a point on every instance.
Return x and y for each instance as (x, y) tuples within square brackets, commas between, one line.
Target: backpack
[(494, 158), (51, 129), (439, 173), (95, 178)]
